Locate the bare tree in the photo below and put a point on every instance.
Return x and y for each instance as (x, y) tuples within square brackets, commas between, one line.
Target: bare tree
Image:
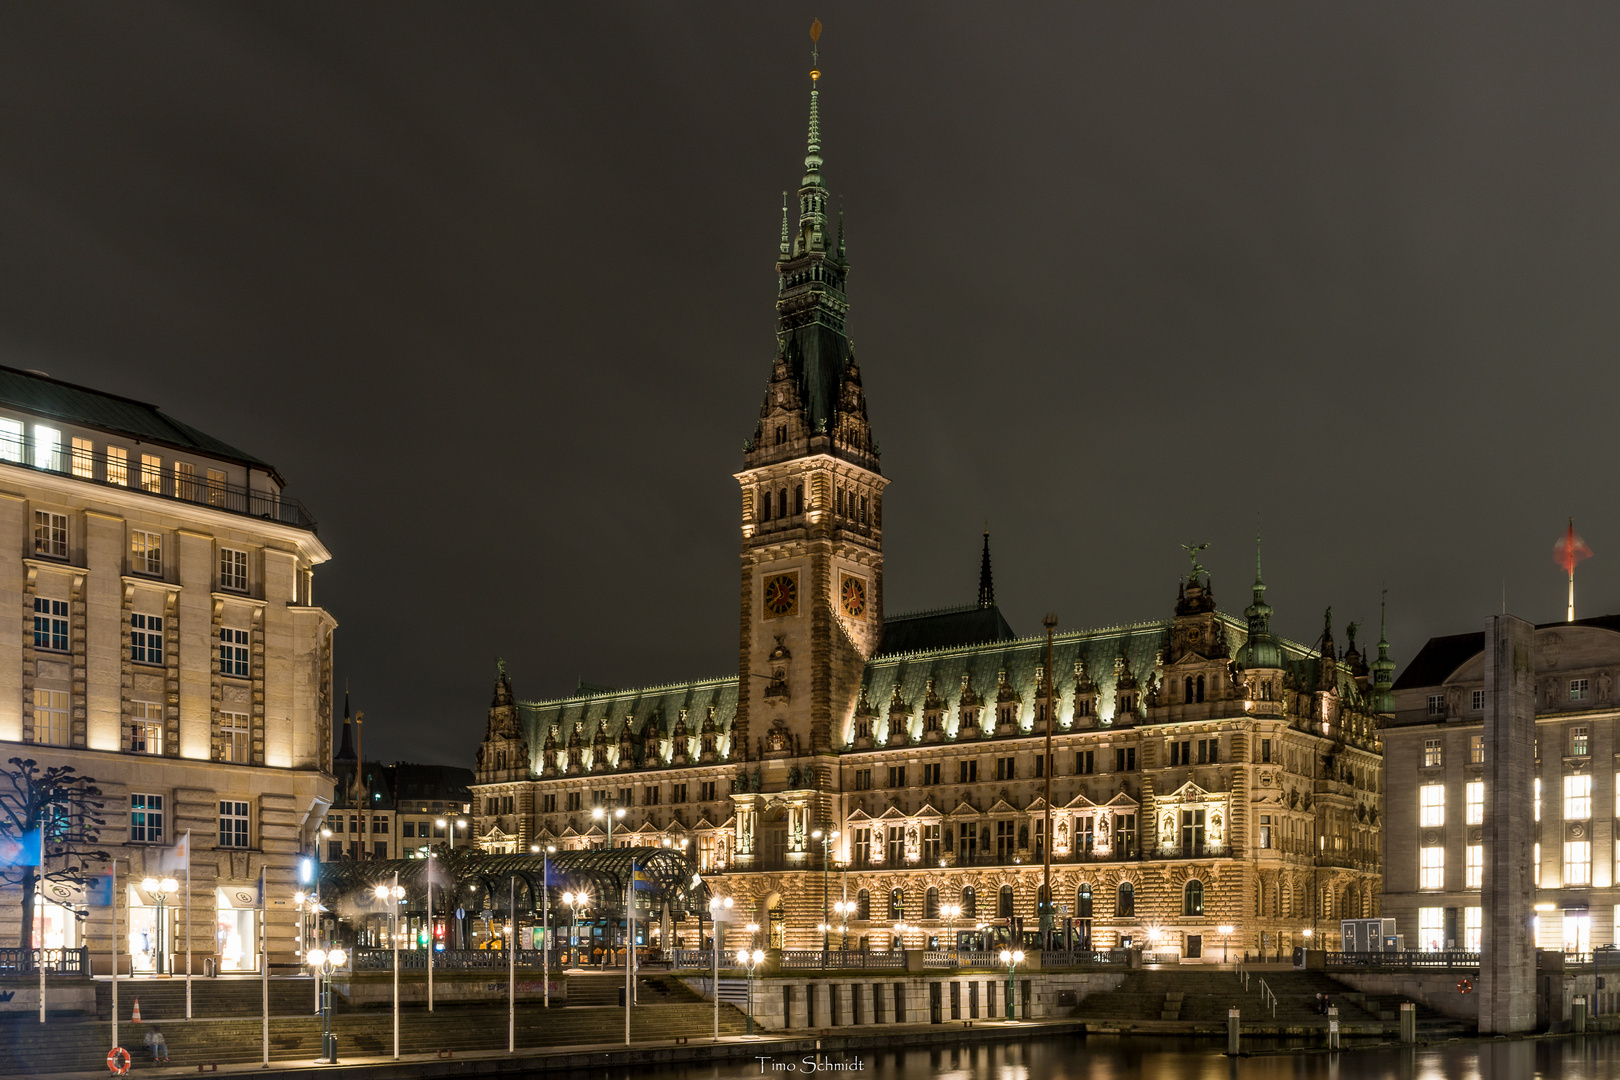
[(67, 806)]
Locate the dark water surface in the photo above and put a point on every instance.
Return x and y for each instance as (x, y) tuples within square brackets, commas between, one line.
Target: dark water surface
[(1113, 1058)]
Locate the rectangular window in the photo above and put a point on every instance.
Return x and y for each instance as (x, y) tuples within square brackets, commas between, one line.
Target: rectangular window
[(152, 473), (1437, 704), (48, 448), (863, 779), (233, 824), (1432, 868), (707, 787), (930, 843), (1474, 868), (574, 800), (11, 440), (1579, 741), (651, 795), (233, 652), (1125, 836), (233, 737), (677, 793), (1006, 768), (1085, 762), (118, 466), (548, 803), (50, 534), (897, 846), (185, 482), (1431, 805), (1577, 689), (1578, 797), (1535, 865), (1125, 759), (1265, 751), (1265, 830), (146, 638), (897, 776), (143, 730), (1473, 927), (216, 487), (1040, 766), (1577, 862), (84, 459), (233, 576), (1431, 752), (146, 819), (50, 624), (1476, 749), (1181, 752), (1476, 802), (51, 717), (967, 772), (409, 830), (1431, 929), (863, 846), (1479, 700), (1537, 800), (145, 552)]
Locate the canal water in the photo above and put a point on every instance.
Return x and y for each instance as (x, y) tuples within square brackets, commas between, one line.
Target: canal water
[(1120, 1058)]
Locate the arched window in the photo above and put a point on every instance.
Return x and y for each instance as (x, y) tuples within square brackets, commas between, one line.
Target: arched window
[(1189, 694), (764, 506), (798, 498), (781, 503), (1005, 910), (863, 905), (931, 903), (1125, 907), (897, 904), (1082, 901), (1200, 688), (1192, 898), (970, 903)]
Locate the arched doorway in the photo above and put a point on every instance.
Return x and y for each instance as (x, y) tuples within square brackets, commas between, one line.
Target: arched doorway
[(775, 922)]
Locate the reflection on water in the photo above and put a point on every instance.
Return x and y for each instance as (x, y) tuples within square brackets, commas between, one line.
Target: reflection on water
[(1114, 1058)]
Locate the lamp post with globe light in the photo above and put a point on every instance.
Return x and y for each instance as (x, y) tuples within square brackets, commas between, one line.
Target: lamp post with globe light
[(323, 961), (576, 903), (451, 826), (845, 910), (1012, 959), (1225, 932), (751, 961), (392, 895), (601, 813), (952, 912), (160, 892), (719, 912)]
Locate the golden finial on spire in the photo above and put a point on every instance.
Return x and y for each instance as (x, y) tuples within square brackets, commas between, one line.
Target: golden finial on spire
[(815, 38)]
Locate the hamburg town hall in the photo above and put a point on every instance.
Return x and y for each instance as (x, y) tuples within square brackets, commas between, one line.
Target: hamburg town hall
[(883, 779)]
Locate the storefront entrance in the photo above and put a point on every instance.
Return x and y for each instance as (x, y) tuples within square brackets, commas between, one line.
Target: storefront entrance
[(236, 929)]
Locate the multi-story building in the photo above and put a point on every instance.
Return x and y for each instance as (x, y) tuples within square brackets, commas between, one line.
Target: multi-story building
[(1203, 772), (1435, 805), (167, 643)]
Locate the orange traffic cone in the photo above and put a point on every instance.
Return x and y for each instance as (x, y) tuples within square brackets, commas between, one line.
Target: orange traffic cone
[(136, 1018)]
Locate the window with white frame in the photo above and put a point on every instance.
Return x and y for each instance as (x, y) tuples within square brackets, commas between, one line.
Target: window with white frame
[(1474, 866), (1476, 802), (145, 552), (50, 534), (233, 652), (216, 487), (47, 448), (50, 624), (185, 482), (1578, 797), (1580, 741), (143, 730), (233, 574), (51, 717), (146, 638), (1479, 700), (118, 466), (1473, 928), (152, 473), (1476, 749), (145, 819), (233, 823), (1431, 868), (84, 458), (233, 737), (1431, 929), (1577, 862), (1432, 805), (1437, 704), (1431, 752), (1577, 689), (11, 440)]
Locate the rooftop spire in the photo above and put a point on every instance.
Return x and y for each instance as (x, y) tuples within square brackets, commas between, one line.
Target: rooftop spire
[(786, 248), (346, 748), (1383, 668), (987, 587)]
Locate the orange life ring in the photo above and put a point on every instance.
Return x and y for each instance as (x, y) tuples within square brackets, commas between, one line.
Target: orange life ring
[(1464, 986), (118, 1061)]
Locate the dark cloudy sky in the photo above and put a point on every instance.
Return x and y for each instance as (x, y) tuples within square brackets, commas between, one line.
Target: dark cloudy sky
[(492, 285)]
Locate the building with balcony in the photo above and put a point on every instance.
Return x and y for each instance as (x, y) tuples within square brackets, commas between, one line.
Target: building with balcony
[(167, 643), (1203, 772), (1436, 798)]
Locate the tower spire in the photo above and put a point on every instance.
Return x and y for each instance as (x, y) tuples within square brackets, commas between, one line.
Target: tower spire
[(346, 748), (987, 586), (1383, 668)]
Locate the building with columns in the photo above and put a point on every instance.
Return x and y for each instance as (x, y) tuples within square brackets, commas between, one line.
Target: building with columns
[(165, 641), (1203, 771)]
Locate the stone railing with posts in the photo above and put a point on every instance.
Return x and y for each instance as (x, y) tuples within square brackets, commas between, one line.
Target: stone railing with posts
[(55, 961)]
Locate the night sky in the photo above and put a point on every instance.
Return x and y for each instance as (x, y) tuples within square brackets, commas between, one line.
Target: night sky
[(492, 285)]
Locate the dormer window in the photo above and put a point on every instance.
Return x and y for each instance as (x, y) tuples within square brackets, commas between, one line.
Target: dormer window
[(11, 440), (781, 434), (47, 448)]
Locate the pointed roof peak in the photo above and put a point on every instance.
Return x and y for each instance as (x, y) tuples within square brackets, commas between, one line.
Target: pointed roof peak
[(987, 585)]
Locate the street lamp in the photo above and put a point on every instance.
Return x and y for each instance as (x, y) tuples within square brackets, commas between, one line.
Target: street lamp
[(459, 823), (845, 910), (576, 905), (751, 961), (323, 962), (1225, 932), (826, 856), (1012, 960), (392, 895), (952, 912), (719, 906), (900, 929), (753, 933), (160, 891), (600, 813)]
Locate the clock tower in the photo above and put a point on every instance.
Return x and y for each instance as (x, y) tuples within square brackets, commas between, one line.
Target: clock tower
[(812, 514)]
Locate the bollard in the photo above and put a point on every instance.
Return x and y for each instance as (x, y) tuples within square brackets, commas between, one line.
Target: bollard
[(1578, 1014), (1333, 1027), (1231, 1033), (1408, 1022)]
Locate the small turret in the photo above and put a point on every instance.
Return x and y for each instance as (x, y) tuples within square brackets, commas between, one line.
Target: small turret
[(1383, 668)]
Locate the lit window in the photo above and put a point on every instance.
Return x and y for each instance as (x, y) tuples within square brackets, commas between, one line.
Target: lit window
[(1577, 689), (47, 448), (146, 819), (1577, 862), (185, 482), (84, 458), (216, 487), (1432, 868), (11, 440), (1431, 929), (1535, 864), (233, 652), (1474, 867), (233, 823), (1578, 797), (145, 552), (1479, 700), (50, 534), (1579, 740), (146, 638), (1432, 805), (1265, 830), (1431, 752), (1538, 799), (1437, 704), (1472, 927), (152, 473), (143, 731), (1476, 749), (1476, 802), (51, 717), (118, 466), (50, 624), (233, 572)]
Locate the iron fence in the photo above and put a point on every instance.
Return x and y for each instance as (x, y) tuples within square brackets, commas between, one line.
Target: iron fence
[(54, 961), (1406, 959), (448, 960)]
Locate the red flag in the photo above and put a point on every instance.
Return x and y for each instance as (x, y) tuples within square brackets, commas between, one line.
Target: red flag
[(1570, 549)]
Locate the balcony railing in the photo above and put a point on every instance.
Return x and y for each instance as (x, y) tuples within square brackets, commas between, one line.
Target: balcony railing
[(94, 467), (55, 961), (448, 960), (1406, 959)]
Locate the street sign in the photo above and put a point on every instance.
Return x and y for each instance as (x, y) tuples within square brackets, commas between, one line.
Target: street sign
[(461, 913)]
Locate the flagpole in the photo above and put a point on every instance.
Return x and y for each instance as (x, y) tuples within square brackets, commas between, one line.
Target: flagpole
[(430, 929), (511, 968), (393, 923), (545, 939), (629, 945), (115, 953), (188, 924), (39, 913), (264, 955)]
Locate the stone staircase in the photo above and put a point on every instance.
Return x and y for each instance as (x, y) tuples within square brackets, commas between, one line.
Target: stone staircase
[(165, 999), (1203, 998)]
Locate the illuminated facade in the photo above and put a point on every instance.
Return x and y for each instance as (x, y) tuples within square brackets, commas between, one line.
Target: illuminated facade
[(1204, 772)]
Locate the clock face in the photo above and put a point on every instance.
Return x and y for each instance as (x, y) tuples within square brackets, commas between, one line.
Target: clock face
[(781, 594), (852, 595)]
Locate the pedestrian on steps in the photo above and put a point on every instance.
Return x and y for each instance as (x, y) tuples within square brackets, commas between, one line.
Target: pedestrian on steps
[(159, 1048)]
